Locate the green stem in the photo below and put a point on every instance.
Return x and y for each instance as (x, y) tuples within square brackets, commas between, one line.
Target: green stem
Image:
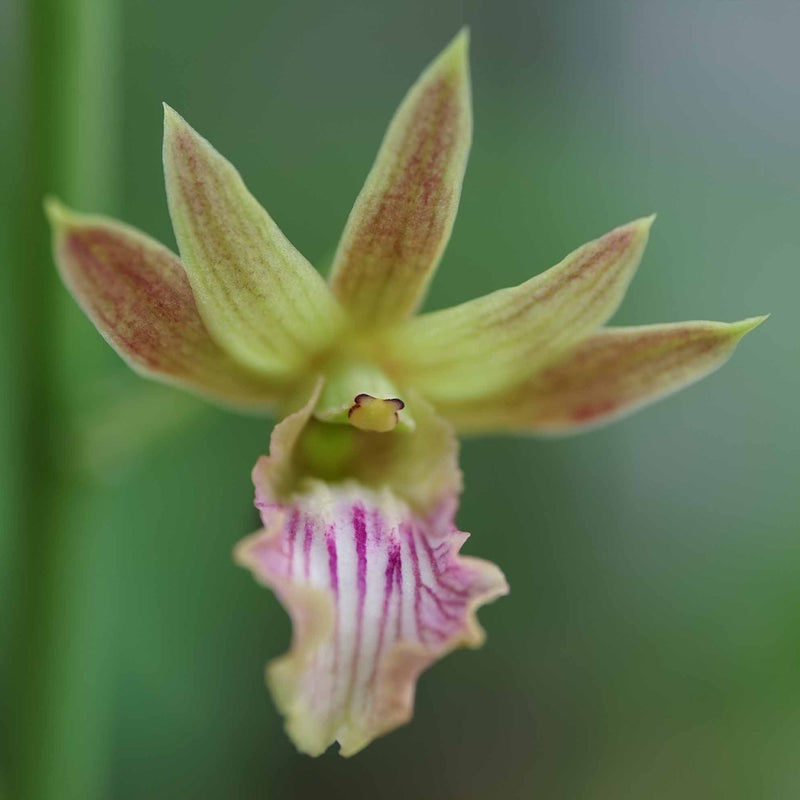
[(68, 146)]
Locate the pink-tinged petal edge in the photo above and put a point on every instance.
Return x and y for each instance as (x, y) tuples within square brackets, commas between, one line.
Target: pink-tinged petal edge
[(376, 595)]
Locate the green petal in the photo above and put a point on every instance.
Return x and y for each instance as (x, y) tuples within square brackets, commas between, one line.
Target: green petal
[(610, 374), (482, 346), (261, 300), (136, 293), (401, 221)]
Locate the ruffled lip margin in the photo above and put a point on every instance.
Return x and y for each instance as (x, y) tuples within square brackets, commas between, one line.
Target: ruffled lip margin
[(376, 594)]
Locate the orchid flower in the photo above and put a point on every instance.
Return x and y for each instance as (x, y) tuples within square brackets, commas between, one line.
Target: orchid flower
[(359, 492)]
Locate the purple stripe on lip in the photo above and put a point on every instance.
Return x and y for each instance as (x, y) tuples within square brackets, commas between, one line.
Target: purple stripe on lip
[(408, 531), (330, 541), (439, 603), (309, 536), (398, 575), (293, 525), (360, 535), (392, 566), (360, 532), (333, 568), (437, 570)]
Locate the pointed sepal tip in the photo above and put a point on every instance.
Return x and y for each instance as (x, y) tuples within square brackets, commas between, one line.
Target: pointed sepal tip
[(744, 326)]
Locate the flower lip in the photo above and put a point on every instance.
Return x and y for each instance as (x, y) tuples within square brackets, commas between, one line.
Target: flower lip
[(377, 594), (377, 414)]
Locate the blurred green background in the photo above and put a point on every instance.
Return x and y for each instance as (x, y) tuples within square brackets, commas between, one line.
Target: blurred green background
[(650, 647)]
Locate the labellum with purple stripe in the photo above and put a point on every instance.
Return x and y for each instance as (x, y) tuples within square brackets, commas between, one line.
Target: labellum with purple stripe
[(390, 595), (370, 575)]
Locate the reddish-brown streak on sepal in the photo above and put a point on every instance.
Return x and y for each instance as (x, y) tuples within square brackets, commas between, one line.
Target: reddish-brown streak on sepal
[(601, 255), (401, 221), (258, 296), (611, 373), (590, 411), (620, 368), (404, 225), (126, 297), (136, 292)]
